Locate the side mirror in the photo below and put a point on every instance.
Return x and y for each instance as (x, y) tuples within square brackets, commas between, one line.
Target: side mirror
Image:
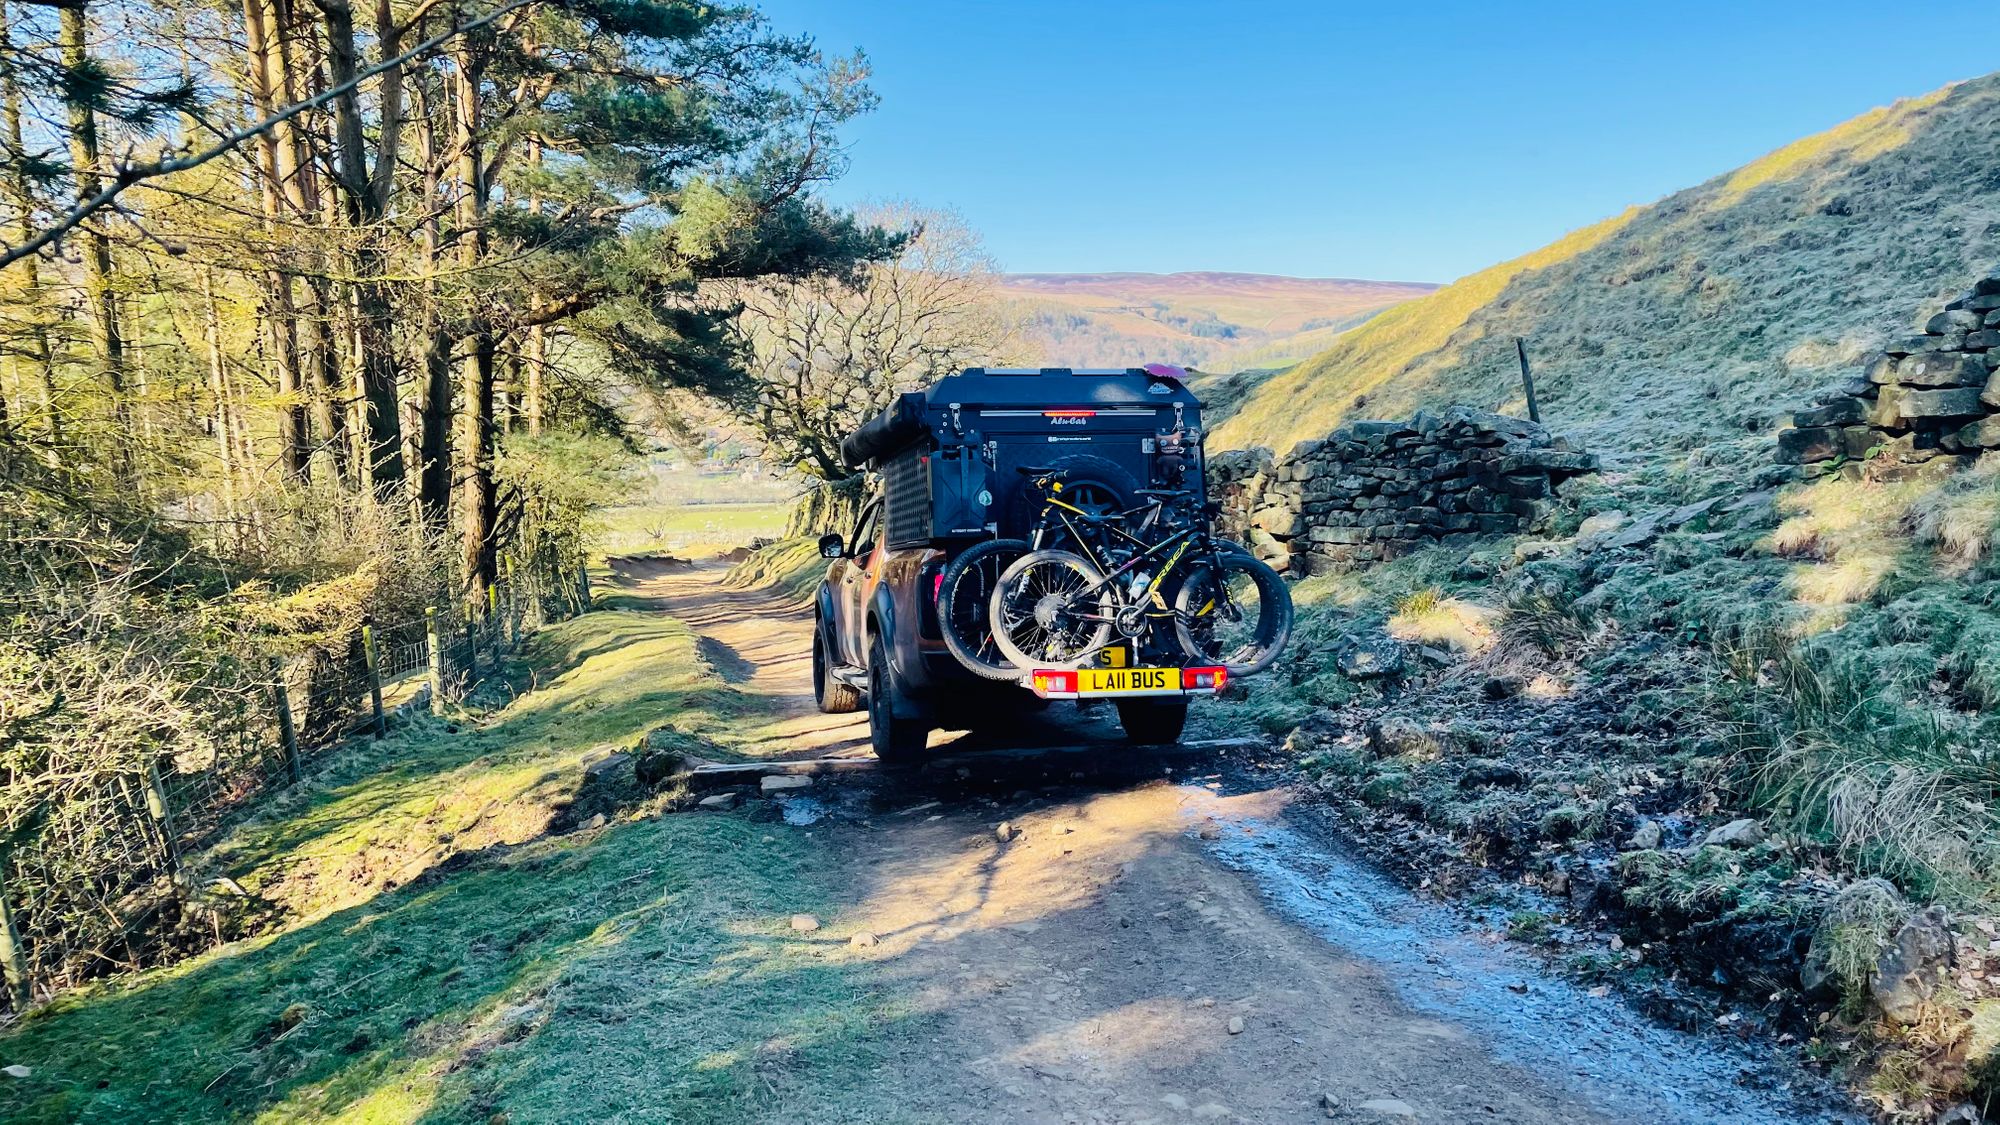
[(830, 545)]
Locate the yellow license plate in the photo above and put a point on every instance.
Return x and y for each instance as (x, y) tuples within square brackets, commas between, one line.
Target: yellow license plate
[(1127, 681)]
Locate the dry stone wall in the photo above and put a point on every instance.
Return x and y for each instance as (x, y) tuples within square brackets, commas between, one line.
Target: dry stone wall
[(1928, 399), (1375, 490)]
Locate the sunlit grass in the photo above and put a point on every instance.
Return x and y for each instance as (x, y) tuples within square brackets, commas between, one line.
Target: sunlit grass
[(1317, 395), (1860, 139), (377, 814), (1429, 617), (642, 971)]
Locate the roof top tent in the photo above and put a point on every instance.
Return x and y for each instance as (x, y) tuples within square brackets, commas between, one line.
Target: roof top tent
[(950, 454)]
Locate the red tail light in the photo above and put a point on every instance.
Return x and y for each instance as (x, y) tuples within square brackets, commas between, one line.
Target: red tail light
[(1069, 413), (1050, 682), (937, 585), (1209, 679)]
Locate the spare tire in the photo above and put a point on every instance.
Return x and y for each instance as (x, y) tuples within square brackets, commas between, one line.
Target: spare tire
[(1094, 484)]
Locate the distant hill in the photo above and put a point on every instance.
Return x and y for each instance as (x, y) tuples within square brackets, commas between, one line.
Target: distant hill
[(1219, 321), (1696, 321)]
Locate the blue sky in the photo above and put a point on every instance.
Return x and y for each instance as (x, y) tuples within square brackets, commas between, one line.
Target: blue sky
[(1400, 141)]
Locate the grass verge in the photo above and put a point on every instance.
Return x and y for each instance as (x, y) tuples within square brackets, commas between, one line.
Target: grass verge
[(448, 959)]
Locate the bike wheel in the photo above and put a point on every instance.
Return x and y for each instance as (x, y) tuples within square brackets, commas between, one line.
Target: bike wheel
[(1233, 611), (965, 606), (1051, 609)]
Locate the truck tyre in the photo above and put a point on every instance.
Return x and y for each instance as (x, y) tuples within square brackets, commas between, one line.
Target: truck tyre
[(1152, 722), (833, 697), (895, 741), (1101, 486)]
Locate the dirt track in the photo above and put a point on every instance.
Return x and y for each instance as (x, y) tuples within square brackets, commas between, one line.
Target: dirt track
[(1153, 944)]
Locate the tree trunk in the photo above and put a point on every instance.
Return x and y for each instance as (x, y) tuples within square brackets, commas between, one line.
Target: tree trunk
[(278, 309), (535, 352), (316, 337), (30, 361), (434, 436), (474, 468), (535, 358), (361, 211), (218, 389), (106, 339)]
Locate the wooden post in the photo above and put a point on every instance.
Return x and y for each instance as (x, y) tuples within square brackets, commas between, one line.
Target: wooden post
[(13, 956), (434, 642), (583, 587), (163, 821), (513, 611), (471, 650), (1527, 379), (493, 624), (288, 731), (374, 661)]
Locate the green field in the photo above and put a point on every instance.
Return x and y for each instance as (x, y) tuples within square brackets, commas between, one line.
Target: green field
[(687, 530)]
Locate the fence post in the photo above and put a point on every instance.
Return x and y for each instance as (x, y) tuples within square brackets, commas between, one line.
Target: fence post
[(288, 731), (1527, 379), (434, 643), (493, 624), (471, 650), (374, 662), (583, 587), (513, 611), (163, 820), (13, 957)]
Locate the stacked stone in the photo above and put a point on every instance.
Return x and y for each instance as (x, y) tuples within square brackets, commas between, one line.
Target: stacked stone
[(1375, 490), (1236, 481), (1925, 398)]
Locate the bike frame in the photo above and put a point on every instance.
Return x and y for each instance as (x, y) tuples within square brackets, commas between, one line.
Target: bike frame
[(1183, 539)]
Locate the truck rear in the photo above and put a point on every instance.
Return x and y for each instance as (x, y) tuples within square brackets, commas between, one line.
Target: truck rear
[(969, 461)]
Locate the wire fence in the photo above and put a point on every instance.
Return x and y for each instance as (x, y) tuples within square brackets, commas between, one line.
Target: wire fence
[(100, 882)]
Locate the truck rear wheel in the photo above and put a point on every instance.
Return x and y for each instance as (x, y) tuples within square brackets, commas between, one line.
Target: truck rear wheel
[(1152, 722), (896, 741), (833, 697)]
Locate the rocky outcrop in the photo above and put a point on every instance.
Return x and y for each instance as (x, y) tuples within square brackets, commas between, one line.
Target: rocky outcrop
[(1927, 398), (1375, 490)]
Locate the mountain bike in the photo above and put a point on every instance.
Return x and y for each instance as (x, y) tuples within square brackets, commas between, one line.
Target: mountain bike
[(1069, 509), (1054, 608)]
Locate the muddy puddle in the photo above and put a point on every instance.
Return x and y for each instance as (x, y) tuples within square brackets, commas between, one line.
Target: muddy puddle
[(1440, 965)]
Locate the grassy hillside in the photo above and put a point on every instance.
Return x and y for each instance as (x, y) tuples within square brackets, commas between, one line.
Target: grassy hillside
[(1221, 321), (1695, 321), (1816, 665)]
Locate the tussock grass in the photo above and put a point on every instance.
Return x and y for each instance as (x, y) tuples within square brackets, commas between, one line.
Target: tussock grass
[(1431, 617), (1894, 789)]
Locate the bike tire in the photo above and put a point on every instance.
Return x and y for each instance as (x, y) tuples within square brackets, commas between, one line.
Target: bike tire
[(1059, 642), (965, 606), (1247, 648)]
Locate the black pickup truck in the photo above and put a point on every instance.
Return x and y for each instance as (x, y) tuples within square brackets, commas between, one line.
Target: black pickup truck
[(953, 462)]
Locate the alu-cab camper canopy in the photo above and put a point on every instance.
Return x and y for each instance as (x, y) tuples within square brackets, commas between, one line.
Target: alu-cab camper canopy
[(948, 454)]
